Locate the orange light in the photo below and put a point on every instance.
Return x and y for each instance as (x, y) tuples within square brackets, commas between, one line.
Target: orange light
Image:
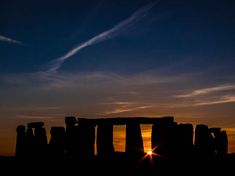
[(149, 153)]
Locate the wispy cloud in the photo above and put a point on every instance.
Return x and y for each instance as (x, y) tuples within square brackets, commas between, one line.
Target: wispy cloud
[(206, 91), (220, 100), (9, 40), (122, 107), (110, 94), (108, 34), (219, 94)]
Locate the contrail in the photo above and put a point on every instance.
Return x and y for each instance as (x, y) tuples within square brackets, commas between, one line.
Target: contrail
[(108, 34), (9, 40)]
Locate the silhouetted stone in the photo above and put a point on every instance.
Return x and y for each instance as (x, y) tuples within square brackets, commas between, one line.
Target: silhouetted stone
[(134, 141), (72, 137), (161, 137), (105, 148), (35, 125), (40, 136), (203, 141), (35, 140), (220, 143), (216, 140), (169, 140), (29, 143), (182, 141), (127, 120), (40, 142), (57, 142), (86, 141), (20, 141), (70, 121), (223, 144)]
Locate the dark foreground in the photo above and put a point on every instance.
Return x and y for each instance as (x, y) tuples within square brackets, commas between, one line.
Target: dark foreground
[(120, 166)]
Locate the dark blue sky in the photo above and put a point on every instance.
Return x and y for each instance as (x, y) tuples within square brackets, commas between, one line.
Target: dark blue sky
[(200, 32), (92, 58)]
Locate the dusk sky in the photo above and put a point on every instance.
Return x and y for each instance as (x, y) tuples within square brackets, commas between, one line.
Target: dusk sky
[(103, 58)]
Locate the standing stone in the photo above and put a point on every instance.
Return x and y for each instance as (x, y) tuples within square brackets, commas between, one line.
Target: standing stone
[(215, 132), (161, 137), (105, 148), (20, 141), (72, 137), (182, 141), (39, 139), (57, 142), (134, 141), (29, 143), (86, 141), (223, 147), (203, 141)]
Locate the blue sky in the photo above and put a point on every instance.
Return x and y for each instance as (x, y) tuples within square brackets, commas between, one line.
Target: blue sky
[(199, 31), (94, 58)]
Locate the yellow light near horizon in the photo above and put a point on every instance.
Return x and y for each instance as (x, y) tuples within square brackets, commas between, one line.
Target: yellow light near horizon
[(149, 152)]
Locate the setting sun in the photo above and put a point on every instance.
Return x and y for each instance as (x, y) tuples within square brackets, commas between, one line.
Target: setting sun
[(149, 153)]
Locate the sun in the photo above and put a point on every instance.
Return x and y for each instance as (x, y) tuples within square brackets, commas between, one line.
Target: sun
[(149, 152)]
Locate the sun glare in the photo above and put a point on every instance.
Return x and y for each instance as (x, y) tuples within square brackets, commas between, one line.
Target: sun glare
[(149, 152)]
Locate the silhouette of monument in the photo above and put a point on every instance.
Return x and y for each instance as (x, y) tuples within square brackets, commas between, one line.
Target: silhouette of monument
[(169, 139)]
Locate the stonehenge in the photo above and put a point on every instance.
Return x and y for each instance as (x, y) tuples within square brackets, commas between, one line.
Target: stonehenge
[(81, 136)]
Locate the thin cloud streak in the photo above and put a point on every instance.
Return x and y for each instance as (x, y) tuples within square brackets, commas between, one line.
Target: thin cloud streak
[(9, 40), (108, 34), (222, 100), (197, 103), (125, 109), (206, 91)]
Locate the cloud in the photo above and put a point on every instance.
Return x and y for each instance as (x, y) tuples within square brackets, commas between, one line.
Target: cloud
[(101, 92), (108, 34), (204, 91), (9, 40), (220, 100), (105, 94), (121, 107), (219, 94)]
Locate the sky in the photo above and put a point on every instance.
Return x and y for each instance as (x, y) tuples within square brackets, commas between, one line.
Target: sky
[(101, 58)]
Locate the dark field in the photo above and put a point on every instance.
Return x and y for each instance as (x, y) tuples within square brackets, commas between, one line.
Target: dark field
[(121, 165)]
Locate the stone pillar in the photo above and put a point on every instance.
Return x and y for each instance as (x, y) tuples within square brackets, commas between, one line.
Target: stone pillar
[(72, 137), (182, 141), (20, 141), (161, 137), (86, 141), (40, 139), (40, 136), (203, 141), (134, 141), (223, 147), (29, 143), (57, 142), (216, 140), (105, 148)]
